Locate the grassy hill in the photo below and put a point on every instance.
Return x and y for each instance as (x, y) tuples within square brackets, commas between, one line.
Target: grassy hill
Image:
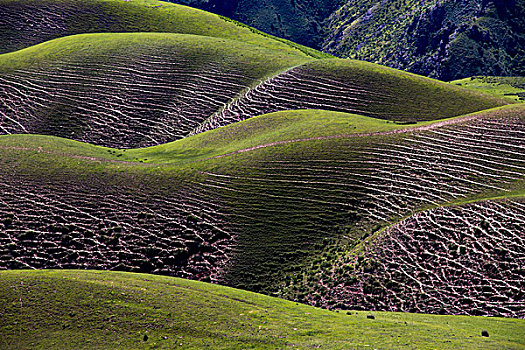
[(142, 89), (510, 88), (24, 23), (448, 39), (108, 310), (213, 206), (129, 89)]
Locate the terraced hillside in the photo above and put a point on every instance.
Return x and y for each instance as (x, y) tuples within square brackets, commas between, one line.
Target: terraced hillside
[(137, 90), (216, 216), (460, 259), (254, 164), (86, 309)]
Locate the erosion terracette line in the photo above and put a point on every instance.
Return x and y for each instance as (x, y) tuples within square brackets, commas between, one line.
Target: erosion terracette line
[(400, 131)]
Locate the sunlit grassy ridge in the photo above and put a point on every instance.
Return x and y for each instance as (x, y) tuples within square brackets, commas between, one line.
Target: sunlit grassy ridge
[(130, 90), (108, 310), (510, 88), (22, 23), (263, 131), (199, 48)]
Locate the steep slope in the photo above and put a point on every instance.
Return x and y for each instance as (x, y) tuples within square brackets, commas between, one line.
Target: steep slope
[(107, 310), (135, 90), (253, 214), (444, 39)]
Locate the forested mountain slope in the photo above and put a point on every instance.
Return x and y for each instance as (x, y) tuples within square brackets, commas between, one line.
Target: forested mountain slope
[(444, 39)]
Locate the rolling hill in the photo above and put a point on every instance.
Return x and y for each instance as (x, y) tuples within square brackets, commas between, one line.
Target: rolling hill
[(154, 138), (85, 310), (511, 88), (134, 90), (213, 208), (24, 23)]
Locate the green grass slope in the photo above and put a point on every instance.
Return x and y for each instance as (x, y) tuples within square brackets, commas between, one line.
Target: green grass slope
[(133, 90), (107, 310), (257, 133), (24, 23), (265, 130), (196, 48), (129, 89), (510, 88), (252, 213)]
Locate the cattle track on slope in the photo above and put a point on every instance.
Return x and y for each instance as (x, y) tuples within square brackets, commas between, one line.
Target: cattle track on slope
[(111, 222), (348, 87), (304, 198), (450, 260), (128, 101)]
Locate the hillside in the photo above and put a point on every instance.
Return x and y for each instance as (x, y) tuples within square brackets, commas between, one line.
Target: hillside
[(148, 137), (443, 39), (131, 90), (213, 206), (128, 90), (108, 310), (24, 23)]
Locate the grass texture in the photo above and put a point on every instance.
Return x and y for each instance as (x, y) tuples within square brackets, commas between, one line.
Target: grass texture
[(110, 310)]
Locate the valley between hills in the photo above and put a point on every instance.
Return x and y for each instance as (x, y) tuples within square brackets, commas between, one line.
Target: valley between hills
[(171, 178)]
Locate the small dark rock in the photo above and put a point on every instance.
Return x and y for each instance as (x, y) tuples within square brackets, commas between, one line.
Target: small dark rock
[(484, 333), (145, 337), (372, 317)]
